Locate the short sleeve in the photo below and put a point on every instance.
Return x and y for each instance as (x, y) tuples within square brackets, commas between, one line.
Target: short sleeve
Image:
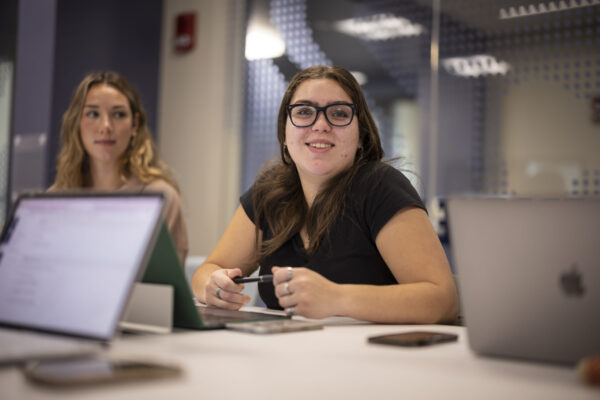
[(247, 204), (384, 191)]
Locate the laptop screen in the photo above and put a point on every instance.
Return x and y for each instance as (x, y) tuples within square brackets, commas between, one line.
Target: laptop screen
[(67, 263)]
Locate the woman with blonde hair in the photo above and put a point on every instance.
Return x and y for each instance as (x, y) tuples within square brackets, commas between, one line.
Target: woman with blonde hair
[(106, 145)]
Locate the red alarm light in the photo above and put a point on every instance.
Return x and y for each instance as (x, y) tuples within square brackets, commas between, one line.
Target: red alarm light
[(185, 32)]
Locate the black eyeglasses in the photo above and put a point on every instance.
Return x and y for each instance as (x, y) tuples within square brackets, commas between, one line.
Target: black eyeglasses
[(337, 114)]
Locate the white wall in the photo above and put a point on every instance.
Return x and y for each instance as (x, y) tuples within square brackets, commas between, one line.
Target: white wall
[(548, 138), (199, 122)]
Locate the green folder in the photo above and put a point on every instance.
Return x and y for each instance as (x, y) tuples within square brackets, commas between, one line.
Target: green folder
[(165, 268)]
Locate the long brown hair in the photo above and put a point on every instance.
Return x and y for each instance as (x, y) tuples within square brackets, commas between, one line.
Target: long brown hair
[(140, 157), (277, 192)]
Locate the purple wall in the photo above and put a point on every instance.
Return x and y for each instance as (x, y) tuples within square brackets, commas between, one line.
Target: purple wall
[(123, 36), (58, 43)]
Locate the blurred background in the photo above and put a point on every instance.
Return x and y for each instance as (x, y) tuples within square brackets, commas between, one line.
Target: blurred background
[(497, 97)]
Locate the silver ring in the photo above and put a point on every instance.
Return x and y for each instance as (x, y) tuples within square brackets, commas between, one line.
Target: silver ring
[(289, 311), (286, 289), (219, 294), (289, 274)]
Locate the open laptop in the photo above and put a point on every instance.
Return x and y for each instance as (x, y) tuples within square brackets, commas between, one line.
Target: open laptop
[(164, 267), (67, 265), (529, 275)]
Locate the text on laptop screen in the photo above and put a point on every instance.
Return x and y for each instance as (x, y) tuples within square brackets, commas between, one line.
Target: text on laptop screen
[(67, 263)]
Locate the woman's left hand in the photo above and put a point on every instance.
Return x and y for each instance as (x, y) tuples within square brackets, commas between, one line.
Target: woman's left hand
[(304, 292)]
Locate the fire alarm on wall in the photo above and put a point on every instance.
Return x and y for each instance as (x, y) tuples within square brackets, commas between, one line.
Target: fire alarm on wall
[(185, 32)]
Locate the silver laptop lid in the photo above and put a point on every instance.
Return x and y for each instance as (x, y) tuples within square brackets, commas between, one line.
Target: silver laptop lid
[(529, 275), (68, 262)]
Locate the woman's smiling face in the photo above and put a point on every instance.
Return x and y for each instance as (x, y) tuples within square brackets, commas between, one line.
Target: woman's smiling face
[(321, 150)]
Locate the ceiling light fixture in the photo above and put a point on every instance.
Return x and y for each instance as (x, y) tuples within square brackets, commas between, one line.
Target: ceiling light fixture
[(263, 42), (360, 77), (544, 8), (475, 66), (379, 27)]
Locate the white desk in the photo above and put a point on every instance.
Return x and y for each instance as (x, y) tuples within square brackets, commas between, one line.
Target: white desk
[(333, 363)]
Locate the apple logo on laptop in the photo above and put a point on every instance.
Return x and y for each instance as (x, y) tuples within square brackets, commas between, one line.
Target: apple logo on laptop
[(571, 282)]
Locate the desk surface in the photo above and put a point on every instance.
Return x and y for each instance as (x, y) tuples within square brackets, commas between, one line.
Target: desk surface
[(333, 363)]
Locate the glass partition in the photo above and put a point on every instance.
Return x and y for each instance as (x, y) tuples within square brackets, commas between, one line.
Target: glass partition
[(497, 97), (385, 44)]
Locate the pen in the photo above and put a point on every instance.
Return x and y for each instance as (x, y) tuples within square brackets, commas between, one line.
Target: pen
[(259, 279)]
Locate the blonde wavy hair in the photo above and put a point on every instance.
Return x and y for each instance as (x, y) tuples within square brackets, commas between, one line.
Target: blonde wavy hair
[(139, 159)]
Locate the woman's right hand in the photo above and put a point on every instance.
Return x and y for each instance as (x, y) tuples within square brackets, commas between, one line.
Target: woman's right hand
[(221, 291)]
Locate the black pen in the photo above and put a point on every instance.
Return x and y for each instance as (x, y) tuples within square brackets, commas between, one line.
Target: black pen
[(259, 279)]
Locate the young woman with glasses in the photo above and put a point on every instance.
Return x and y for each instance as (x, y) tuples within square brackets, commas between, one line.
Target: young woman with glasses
[(341, 232), (106, 145)]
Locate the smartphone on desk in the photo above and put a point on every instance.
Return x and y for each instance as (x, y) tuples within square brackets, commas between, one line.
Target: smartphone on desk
[(274, 326), (414, 338), (78, 372)]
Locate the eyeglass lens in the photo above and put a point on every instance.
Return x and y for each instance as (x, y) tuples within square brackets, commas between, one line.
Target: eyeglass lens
[(336, 114)]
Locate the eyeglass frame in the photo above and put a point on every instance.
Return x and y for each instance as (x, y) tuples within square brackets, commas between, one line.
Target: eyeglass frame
[(321, 109)]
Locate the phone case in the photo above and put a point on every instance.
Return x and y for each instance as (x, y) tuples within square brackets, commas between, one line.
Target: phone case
[(414, 338)]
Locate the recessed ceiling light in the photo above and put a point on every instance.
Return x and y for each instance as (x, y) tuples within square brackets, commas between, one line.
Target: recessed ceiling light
[(543, 8), (379, 27), (475, 66)]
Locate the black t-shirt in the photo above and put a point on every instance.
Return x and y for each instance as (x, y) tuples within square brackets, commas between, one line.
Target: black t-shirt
[(349, 255)]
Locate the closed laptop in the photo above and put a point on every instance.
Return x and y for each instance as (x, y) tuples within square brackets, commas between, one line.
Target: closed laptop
[(529, 275)]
